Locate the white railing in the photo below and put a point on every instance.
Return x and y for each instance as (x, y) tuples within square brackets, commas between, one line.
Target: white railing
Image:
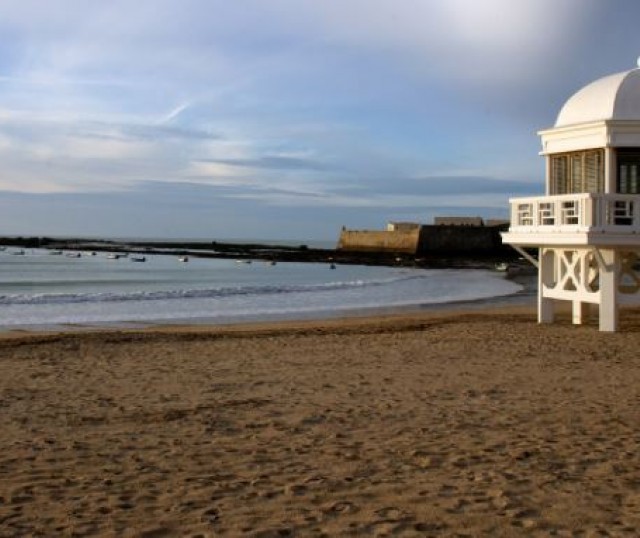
[(617, 213)]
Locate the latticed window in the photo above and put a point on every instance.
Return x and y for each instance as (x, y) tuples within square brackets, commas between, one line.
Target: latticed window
[(628, 171), (580, 171)]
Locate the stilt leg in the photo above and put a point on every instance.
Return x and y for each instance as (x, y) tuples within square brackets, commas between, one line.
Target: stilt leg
[(580, 312), (546, 306), (546, 309), (608, 292)]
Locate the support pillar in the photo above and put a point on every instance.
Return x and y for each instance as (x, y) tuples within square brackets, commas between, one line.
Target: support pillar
[(546, 306), (609, 291), (580, 312)]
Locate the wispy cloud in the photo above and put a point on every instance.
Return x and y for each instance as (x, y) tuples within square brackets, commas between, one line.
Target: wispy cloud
[(175, 113), (274, 162)]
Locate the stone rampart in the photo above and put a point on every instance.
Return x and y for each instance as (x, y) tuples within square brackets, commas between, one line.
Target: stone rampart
[(379, 241), (467, 239)]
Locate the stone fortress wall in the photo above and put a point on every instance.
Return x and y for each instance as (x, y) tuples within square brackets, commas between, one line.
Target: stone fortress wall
[(379, 241), (424, 239)]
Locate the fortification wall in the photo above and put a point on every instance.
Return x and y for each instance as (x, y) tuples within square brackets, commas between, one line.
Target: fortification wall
[(379, 241), (468, 239)]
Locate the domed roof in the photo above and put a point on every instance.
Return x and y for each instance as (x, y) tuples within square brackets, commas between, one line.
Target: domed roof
[(616, 97)]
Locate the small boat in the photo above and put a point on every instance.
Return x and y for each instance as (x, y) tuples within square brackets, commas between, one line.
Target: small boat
[(3, 248), (55, 253), (92, 253), (183, 259), (113, 256), (243, 261), (73, 254), (503, 267), (18, 252), (138, 259), (332, 266)]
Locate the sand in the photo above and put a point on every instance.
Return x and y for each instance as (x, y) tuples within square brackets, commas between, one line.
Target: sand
[(445, 424)]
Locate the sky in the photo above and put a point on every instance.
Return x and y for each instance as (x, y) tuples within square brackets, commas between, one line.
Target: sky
[(285, 119)]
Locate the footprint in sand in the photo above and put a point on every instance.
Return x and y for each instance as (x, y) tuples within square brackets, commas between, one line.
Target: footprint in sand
[(340, 507), (315, 480), (391, 514), (211, 516), (295, 489), (156, 532), (429, 527), (527, 518)]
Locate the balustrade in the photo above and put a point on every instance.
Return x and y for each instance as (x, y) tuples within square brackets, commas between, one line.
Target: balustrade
[(584, 212)]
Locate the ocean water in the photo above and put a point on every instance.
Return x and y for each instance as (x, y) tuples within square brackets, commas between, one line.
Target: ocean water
[(40, 289)]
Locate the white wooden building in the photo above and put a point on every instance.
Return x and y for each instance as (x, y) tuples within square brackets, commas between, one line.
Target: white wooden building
[(587, 225)]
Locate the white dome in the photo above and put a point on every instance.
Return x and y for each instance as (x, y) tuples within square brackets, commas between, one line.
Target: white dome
[(616, 97)]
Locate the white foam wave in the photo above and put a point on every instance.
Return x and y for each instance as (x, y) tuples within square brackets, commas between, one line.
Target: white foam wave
[(206, 293)]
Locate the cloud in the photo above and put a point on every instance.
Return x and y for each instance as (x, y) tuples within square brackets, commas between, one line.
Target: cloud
[(175, 113), (453, 186), (273, 162), (156, 132), (484, 43)]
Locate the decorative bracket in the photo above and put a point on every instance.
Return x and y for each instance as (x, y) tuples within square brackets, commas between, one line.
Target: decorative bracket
[(526, 256)]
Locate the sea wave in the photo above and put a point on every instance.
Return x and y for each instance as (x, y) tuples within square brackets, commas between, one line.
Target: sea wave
[(206, 293)]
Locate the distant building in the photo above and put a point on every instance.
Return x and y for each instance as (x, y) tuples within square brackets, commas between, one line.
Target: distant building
[(402, 226), (458, 221), (497, 222)]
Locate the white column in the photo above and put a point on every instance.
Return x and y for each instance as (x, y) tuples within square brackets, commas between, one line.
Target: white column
[(546, 306), (580, 312), (609, 291), (547, 181), (609, 170)]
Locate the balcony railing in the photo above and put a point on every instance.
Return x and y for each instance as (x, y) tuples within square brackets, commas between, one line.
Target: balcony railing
[(614, 213)]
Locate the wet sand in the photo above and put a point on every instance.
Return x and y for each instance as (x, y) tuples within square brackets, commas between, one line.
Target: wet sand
[(434, 424)]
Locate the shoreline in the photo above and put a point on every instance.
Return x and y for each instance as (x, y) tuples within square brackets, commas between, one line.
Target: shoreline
[(390, 319), (377, 322), (522, 298)]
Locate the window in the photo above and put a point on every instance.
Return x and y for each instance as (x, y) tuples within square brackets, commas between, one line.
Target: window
[(580, 171), (559, 174), (593, 179), (628, 171), (577, 172)]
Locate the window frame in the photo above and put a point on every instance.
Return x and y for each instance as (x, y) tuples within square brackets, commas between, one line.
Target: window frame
[(628, 171), (577, 172)]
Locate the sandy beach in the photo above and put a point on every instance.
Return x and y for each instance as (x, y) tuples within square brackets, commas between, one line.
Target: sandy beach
[(438, 424)]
